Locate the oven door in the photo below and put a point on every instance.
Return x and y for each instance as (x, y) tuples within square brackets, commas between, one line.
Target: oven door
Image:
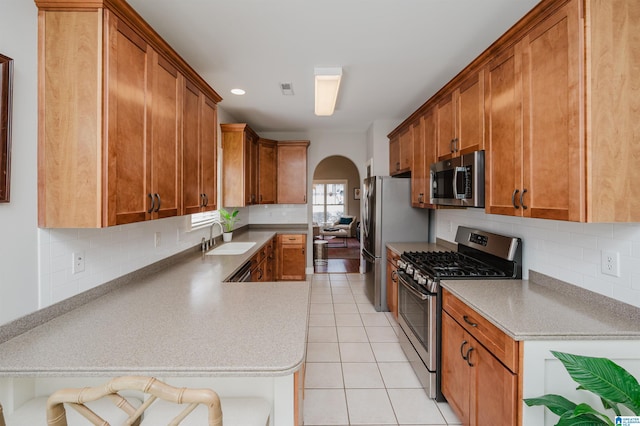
[(417, 317)]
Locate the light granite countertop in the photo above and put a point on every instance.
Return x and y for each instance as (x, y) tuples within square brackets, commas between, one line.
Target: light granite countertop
[(543, 308), (180, 321)]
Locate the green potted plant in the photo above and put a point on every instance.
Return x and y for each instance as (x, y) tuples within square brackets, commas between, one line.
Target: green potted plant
[(601, 376), (228, 220)]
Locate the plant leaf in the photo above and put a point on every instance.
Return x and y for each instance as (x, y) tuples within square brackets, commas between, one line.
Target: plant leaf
[(586, 410), (584, 419), (609, 405), (557, 404), (604, 378)]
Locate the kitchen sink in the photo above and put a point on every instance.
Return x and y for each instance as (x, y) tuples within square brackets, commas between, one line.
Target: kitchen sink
[(231, 248)]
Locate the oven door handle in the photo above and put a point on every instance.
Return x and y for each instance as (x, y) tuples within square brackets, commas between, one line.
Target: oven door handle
[(413, 291)]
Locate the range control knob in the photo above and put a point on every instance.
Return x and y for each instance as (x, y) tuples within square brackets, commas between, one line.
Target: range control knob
[(409, 270), (422, 280), (431, 285), (402, 264)]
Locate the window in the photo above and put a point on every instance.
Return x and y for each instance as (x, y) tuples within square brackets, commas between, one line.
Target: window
[(329, 200), (202, 220)]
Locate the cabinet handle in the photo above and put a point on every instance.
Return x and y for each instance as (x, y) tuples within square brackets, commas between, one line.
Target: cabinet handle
[(455, 145), (397, 166), (261, 273), (159, 202), (394, 276), (302, 251), (464, 342), (260, 197), (468, 357), (524, 207), (451, 146), (513, 198), (153, 203), (466, 319)]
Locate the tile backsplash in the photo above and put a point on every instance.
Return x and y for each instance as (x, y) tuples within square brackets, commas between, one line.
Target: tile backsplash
[(109, 253), (567, 251)]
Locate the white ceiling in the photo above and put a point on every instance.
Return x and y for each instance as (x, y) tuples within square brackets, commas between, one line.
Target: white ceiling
[(395, 54)]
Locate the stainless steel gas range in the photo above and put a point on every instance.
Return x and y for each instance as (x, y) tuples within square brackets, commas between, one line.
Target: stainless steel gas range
[(480, 255)]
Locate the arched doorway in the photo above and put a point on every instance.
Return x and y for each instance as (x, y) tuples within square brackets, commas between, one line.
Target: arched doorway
[(336, 214)]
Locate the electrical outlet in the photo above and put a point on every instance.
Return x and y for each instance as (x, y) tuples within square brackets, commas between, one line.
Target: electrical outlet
[(611, 263), (78, 262), (157, 239)]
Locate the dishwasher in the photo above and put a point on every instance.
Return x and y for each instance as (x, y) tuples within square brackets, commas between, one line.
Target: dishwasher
[(241, 275)]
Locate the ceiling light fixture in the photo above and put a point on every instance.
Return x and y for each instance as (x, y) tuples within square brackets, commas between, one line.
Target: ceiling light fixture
[(238, 92), (327, 85)]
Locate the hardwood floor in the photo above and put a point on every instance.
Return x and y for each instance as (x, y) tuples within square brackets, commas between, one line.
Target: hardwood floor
[(339, 266), (342, 259)]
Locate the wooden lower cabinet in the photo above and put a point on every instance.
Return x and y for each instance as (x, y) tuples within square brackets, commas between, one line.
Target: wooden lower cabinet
[(291, 257), (392, 282), (480, 389)]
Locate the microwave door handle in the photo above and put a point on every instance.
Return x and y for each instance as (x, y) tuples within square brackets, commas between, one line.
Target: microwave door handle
[(455, 182)]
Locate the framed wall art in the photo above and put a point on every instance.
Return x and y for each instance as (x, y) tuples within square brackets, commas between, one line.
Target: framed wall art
[(6, 75), (356, 193)]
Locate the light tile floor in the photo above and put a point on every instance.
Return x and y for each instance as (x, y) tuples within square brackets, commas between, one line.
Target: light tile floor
[(356, 371)]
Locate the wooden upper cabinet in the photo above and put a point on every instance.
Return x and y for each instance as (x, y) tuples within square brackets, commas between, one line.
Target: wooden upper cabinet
[(292, 172), (460, 119), (130, 73), (199, 159), (239, 165), (553, 146), (267, 171), (536, 161), (143, 142), (118, 157), (424, 154), (166, 111), (503, 159), (445, 120), (401, 152)]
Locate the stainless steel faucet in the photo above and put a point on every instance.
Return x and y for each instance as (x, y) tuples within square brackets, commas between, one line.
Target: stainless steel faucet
[(212, 241)]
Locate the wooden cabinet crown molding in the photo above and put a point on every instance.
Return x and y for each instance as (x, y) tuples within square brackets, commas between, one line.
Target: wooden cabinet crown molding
[(125, 12)]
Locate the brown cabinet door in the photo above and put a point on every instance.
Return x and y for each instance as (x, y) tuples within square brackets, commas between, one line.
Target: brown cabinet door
[(192, 199), (292, 172), (455, 369), (394, 155), (267, 165), (236, 185), (424, 154), (503, 160), (165, 138), (419, 166), (209, 153), (445, 121), (291, 257), (554, 168), (494, 389), (406, 149), (199, 153), (392, 288), (129, 193), (470, 115)]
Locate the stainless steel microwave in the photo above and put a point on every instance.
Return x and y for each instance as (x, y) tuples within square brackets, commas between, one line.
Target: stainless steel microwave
[(458, 181)]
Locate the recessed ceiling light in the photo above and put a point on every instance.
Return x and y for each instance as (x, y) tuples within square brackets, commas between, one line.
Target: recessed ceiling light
[(238, 92)]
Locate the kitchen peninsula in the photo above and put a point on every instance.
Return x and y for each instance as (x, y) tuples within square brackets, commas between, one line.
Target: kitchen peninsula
[(182, 324)]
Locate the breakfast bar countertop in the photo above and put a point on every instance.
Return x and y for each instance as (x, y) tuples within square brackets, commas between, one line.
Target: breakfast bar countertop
[(180, 321)]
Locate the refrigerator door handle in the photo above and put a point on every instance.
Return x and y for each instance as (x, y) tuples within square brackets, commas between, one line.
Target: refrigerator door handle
[(368, 256)]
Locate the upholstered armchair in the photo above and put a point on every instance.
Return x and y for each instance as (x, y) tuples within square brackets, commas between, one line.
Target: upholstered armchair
[(343, 223)]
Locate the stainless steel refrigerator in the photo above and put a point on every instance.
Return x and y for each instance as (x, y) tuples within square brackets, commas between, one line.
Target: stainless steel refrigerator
[(387, 217)]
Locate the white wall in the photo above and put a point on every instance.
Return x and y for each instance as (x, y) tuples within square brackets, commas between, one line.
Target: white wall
[(567, 251), (378, 146), (18, 219)]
